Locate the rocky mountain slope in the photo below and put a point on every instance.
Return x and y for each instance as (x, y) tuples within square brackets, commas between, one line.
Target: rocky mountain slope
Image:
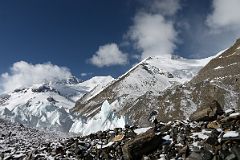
[(154, 74), (47, 105)]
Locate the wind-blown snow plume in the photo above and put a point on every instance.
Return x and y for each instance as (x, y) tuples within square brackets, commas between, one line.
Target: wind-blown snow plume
[(23, 74), (153, 31)]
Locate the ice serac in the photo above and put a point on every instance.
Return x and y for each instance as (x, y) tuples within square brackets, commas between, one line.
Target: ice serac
[(104, 120), (151, 76), (47, 105)]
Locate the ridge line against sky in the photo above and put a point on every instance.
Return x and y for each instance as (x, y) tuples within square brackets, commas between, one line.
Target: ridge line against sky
[(108, 37)]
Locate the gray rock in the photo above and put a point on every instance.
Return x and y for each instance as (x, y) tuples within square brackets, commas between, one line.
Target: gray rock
[(208, 112)]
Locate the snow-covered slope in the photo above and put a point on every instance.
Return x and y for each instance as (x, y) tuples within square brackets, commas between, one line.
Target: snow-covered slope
[(47, 105), (154, 74)]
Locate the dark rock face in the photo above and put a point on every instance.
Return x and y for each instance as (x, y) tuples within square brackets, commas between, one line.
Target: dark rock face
[(208, 112)]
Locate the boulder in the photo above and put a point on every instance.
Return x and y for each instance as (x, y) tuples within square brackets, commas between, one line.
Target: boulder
[(202, 155), (208, 112), (142, 144)]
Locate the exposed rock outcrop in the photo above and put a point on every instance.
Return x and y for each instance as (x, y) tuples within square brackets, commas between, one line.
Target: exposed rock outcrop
[(208, 112)]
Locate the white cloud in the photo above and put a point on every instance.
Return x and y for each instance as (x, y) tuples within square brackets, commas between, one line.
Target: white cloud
[(153, 32), (225, 15), (108, 55), (23, 74), (153, 35)]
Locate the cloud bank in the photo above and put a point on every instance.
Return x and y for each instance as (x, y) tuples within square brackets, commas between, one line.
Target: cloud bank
[(153, 32), (109, 55), (23, 74)]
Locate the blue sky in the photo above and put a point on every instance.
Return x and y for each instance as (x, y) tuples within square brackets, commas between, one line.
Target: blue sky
[(118, 33)]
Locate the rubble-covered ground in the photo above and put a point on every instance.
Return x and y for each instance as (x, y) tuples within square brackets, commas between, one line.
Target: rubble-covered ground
[(19, 142), (210, 135)]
